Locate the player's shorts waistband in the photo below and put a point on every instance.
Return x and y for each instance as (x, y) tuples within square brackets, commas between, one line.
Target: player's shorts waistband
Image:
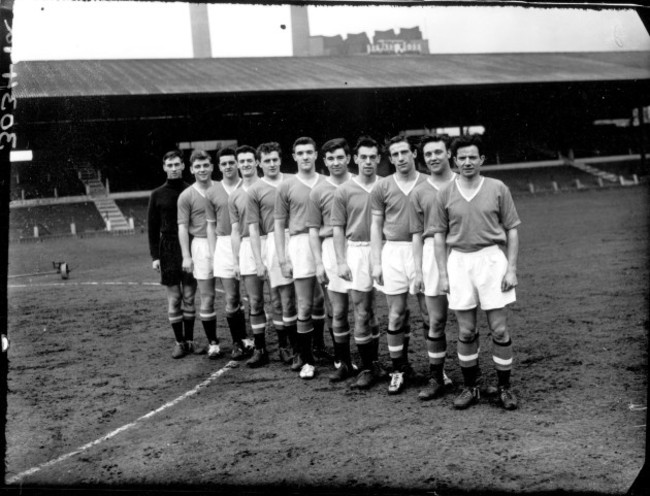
[(478, 253), (358, 243), (428, 241), (399, 243)]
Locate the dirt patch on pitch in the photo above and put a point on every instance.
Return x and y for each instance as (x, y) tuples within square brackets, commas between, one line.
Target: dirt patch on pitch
[(86, 360)]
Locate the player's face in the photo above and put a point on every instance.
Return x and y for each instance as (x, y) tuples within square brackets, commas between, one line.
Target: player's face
[(271, 163), (202, 170), (228, 166), (402, 157), (305, 156), (337, 162), (367, 159), (174, 167), (436, 157), (247, 164), (468, 161)]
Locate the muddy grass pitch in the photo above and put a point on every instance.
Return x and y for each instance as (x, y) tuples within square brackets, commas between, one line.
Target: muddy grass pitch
[(90, 364)]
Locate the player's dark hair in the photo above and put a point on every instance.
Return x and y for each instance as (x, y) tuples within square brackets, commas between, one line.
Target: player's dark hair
[(467, 140), (245, 149), (267, 148), (335, 144), (172, 154), (303, 140), (434, 138), (199, 155), (227, 151), (400, 138), (368, 142)]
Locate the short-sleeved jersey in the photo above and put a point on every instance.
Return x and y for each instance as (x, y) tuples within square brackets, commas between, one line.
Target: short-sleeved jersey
[(320, 207), (292, 201), (351, 209), (216, 206), (191, 211), (476, 222), (261, 203), (423, 207), (392, 202), (237, 207)]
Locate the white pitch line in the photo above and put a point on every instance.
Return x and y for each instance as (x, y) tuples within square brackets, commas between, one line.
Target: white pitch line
[(89, 283), (81, 449), (95, 283)]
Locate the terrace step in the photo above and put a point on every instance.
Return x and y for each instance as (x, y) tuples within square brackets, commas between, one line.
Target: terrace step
[(106, 206), (590, 169)]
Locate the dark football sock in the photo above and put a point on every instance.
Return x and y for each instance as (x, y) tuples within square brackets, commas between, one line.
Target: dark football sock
[(188, 329), (210, 329), (177, 327), (469, 375)]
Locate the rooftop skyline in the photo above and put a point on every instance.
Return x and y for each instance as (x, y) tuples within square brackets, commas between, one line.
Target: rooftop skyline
[(66, 29)]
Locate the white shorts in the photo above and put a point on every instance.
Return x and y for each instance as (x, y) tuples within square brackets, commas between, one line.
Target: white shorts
[(247, 265), (271, 260), (476, 278), (301, 257), (398, 267), (331, 268), (430, 269), (359, 261), (224, 261), (201, 259)]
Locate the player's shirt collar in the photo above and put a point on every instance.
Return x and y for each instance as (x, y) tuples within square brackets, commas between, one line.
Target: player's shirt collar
[(408, 187), (274, 184), (311, 184), (437, 188), (470, 197), (365, 188), (329, 179), (230, 189), (200, 190)]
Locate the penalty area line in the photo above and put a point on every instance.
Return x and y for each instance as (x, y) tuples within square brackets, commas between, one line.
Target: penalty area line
[(85, 447)]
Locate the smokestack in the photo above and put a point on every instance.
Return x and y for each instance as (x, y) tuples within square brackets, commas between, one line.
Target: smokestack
[(300, 30), (201, 46)]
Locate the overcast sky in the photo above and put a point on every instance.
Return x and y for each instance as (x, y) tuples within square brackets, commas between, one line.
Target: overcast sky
[(65, 29)]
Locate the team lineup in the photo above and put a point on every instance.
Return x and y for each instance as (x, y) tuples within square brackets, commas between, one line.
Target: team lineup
[(322, 243)]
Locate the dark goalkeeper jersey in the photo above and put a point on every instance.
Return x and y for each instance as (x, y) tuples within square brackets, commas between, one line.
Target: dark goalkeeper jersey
[(162, 214)]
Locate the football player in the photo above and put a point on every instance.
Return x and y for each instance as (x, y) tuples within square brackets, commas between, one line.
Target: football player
[(219, 238), (162, 226), (392, 264), (433, 302), (192, 235), (477, 221), (296, 259)]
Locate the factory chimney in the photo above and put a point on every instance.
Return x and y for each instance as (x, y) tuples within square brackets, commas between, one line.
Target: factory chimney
[(300, 30), (201, 46)]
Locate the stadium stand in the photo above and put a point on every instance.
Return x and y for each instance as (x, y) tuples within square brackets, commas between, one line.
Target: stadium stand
[(136, 208), (542, 178), (37, 180), (621, 168), (53, 220)]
